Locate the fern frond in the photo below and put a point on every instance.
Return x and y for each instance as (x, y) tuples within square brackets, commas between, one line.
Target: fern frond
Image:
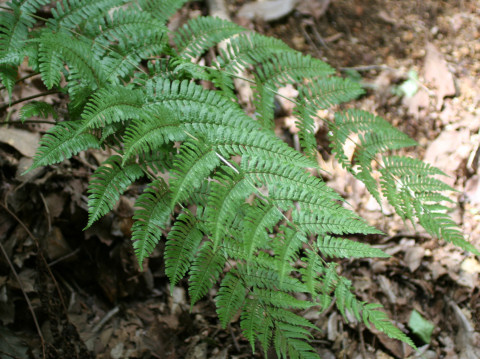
[(37, 109), (73, 13), (375, 136), (161, 10), (124, 26), (292, 342), (205, 271), (257, 221), (323, 223), (440, 225), (230, 297), (107, 106), (227, 194), (155, 127), (369, 313), (245, 50), (262, 274), (152, 216), (200, 34), (76, 53), (258, 144), (8, 76), (183, 241), (286, 248), (62, 142), (196, 104), (346, 248), (107, 184), (252, 319), (326, 92), (281, 299), (13, 33), (195, 162), (122, 60), (274, 174)]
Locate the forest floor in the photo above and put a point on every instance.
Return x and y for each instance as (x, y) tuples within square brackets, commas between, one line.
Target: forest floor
[(419, 62)]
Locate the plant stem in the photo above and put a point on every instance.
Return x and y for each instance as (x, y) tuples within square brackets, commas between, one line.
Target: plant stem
[(50, 92)]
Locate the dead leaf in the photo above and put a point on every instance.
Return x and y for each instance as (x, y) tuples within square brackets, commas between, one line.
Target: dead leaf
[(23, 141), (416, 102), (413, 257), (269, 10), (315, 8), (437, 73)]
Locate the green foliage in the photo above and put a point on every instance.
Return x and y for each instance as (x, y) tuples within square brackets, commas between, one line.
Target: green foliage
[(258, 222)]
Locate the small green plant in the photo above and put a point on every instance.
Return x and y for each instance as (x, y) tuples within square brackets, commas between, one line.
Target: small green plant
[(246, 213)]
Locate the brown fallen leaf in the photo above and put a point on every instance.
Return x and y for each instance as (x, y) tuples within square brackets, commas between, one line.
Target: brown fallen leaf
[(437, 73), (23, 141)]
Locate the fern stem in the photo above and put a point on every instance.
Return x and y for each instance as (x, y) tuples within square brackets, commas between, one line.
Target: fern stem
[(46, 93)]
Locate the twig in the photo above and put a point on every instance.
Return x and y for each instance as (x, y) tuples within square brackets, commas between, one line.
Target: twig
[(62, 258), (105, 319), (235, 341), (51, 92), (27, 299), (362, 342), (367, 68), (27, 121), (35, 239)]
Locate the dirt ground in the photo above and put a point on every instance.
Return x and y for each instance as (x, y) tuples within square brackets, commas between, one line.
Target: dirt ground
[(419, 62)]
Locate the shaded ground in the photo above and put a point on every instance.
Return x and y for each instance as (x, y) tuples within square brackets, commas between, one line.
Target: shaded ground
[(85, 288)]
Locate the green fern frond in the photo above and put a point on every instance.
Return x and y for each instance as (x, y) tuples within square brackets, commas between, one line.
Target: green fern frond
[(227, 194), (62, 142), (205, 271), (122, 60), (264, 145), (161, 10), (326, 92), (262, 274), (8, 76), (73, 13), (252, 319), (292, 342), (323, 223), (202, 33), (155, 127), (76, 53), (281, 300), (107, 106), (346, 248), (257, 221), (37, 109), (107, 184), (183, 241), (245, 50), (152, 215), (13, 33), (440, 225), (124, 26), (195, 162), (230, 297), (275, 174), (286, 248), (406, 166)]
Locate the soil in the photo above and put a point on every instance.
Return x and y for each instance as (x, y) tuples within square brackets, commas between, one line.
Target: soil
[(91, 301)]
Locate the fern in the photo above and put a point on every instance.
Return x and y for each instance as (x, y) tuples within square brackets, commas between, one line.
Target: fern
[(37, 108), (239, 209), (108, 182)]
